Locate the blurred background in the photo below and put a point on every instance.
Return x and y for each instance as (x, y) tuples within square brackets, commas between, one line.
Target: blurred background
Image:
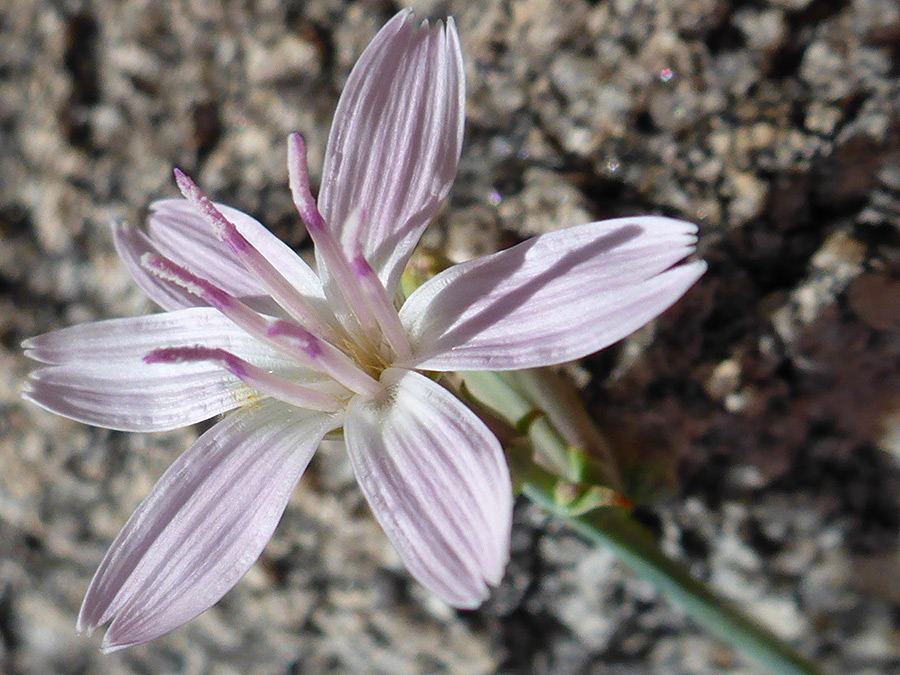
[(761, 414)]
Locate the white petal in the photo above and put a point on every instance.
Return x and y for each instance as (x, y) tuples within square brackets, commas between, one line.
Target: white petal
[(551, 299), (156, 397), (181, 231), (203, 525), (131, 244), (395, 142), (131, 338), (99, 376), (181, 234), (437, 481)]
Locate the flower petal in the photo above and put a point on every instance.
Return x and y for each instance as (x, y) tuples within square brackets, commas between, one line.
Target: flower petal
[(436, 479), (131, 244), (553, 298), (395, 142), (179, 229), (99, 376), (178, 232), (156, 397), (203, 525), (181, 234), (133, 337)]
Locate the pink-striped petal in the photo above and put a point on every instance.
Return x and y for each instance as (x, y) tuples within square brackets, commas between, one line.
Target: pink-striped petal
[(395, 142), (551, 299), (263, 381), (278, 283), (179, 229), (157, 397), (181, 234), (178, 232), (131, 338), (203, 525), (437, 482), (131, 245), (99, 376)]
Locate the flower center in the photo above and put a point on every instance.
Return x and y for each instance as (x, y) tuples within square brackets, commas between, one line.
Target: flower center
[(370, 358)]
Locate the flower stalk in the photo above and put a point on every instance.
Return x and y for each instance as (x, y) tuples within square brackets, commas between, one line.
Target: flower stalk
[(566, 482)]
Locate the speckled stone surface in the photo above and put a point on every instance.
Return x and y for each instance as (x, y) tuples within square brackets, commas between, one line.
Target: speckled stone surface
[(766, 401)]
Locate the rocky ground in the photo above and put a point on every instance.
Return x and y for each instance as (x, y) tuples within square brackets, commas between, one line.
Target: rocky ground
[(762, 410)]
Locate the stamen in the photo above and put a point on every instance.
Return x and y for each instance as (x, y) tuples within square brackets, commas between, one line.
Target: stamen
[(379, 302), (362, 290), (298, 180), (264, 382), (231, 307), (301, 344), (281, 290), (328, 358)]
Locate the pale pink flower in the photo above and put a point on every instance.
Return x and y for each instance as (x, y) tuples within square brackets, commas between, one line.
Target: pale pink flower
[(296, 355)]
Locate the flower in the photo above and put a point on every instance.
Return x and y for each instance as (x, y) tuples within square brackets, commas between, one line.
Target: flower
[(292, 355)]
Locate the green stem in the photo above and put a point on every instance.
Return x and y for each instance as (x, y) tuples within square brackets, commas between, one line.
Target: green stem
[(562, 430), (635, 547), (565, 485)]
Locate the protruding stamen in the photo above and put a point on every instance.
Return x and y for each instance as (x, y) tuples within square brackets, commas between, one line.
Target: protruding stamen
[(377, 299), (301, 344), (328, 358), (231, 307), (327, 245), (363, 301), (298, 180), (264, 382), (281, 290)]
